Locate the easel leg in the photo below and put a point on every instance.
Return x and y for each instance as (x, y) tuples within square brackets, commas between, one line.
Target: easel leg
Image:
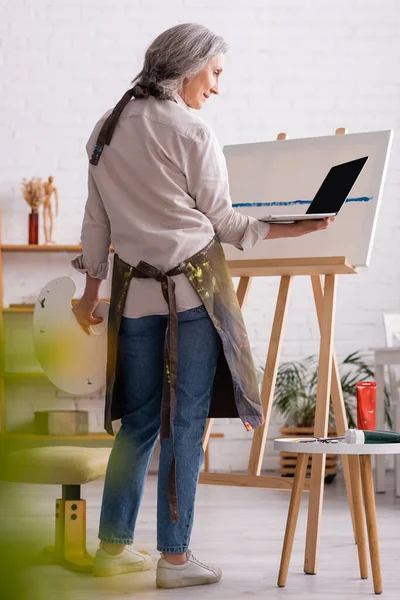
[(370, 514), (295, 500), (271, 369), (321, 425), (243, 289), (207, 433), (241, 293), (358, 506), (337, 398), (207, 459)]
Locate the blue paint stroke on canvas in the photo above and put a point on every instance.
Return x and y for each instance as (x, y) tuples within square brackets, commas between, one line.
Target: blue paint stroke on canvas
[(293, 202)]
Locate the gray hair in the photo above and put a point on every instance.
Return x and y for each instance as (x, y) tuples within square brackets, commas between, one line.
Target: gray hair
[(180, 52)]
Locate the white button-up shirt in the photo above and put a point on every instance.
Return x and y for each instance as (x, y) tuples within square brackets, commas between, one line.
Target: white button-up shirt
[(159, 194)]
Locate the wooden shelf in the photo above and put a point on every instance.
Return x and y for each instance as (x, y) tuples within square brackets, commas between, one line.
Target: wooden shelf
[(40, 248), (31, 308), (18, 310), (37, 436)]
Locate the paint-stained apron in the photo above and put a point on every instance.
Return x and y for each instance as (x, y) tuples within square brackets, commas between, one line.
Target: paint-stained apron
[(235, 391)]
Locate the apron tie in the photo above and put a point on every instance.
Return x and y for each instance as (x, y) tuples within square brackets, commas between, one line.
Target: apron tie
[(169, 403)]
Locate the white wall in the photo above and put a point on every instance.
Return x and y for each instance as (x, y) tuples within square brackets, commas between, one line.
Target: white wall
[(300, 66)]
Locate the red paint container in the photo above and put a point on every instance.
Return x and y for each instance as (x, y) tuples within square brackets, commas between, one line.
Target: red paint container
[(366, 405)]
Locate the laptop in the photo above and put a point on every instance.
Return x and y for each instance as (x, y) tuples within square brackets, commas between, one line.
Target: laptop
[(330, 197)]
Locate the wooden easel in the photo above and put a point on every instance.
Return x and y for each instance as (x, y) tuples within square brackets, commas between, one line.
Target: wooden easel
[(323, 273)]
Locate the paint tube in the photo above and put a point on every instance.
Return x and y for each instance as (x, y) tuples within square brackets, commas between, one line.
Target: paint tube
[(357, 436), (366, 405)]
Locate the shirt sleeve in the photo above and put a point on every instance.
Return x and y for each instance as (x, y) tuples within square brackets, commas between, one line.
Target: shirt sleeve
[(95, 236), (208, 185)]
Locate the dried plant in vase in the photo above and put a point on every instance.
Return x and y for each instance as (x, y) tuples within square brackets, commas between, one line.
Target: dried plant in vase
[(33, 192)]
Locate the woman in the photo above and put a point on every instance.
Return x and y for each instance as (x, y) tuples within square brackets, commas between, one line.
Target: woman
[(158, 191)]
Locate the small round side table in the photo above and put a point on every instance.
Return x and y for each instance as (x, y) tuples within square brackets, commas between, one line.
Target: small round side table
[(362, 486)]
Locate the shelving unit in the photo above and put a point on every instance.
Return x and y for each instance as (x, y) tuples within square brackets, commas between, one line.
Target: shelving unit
[(7, 436), (10, 436)]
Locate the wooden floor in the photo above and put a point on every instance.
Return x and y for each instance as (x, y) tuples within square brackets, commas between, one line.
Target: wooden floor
[(241, 530)]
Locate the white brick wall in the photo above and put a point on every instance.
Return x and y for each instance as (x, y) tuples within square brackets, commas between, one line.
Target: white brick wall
[(300, 66)]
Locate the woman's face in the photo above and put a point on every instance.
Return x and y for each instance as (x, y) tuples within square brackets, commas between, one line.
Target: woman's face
[(200, 88)]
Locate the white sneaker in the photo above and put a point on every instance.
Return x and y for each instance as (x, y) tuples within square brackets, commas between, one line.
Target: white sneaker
[(193, 572), (128, 561)]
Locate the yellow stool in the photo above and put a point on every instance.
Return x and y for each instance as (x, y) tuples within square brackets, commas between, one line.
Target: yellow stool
[(70, 467)]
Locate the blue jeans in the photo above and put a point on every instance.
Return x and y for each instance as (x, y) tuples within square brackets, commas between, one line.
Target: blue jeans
[(141, 343)]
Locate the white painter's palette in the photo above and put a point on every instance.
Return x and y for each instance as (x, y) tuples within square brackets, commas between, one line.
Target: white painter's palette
[(73, 361)]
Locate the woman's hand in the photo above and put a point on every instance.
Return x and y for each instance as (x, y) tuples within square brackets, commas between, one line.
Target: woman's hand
[(83, 311), (309, 226), (287, 230)]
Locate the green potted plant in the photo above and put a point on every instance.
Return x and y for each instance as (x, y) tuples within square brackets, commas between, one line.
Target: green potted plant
[(295, 397)]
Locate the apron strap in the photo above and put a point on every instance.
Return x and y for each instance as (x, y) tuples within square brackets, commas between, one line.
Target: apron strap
[(107, 130)]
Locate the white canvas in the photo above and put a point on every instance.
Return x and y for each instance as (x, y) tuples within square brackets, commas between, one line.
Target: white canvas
[(282, 177)]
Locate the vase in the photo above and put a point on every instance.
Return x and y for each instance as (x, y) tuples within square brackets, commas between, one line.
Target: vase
[(34, 227)]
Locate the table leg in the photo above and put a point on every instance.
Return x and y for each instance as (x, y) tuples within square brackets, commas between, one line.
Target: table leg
[(295, 500), (380, 472), (355, 479), (370, 515), (397, 473), (397, 456)]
